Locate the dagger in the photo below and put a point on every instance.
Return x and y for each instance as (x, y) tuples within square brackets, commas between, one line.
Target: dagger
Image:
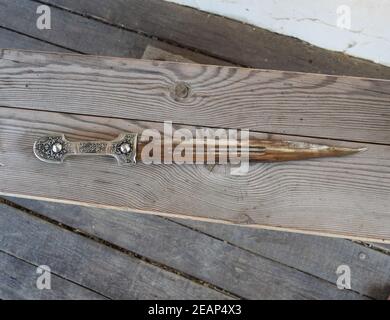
[(127, 148)]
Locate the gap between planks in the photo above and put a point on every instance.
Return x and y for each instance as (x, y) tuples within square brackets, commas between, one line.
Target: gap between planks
[(117, 248), (16, 268), (202, 31), (252, 286), (170, 216), (58, 47), (354, 177), (57, 244), (107, 40), (223, 61)]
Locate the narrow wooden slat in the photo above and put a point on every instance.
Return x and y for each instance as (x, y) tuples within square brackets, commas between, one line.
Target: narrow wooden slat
[(345, 196), (346, 108), (83, 35), (11, 39), (221, 37), (18, 281), (214, 261), (90, 264)]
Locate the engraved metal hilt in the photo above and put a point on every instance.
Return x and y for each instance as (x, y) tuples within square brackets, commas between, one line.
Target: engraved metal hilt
[(54, 149)]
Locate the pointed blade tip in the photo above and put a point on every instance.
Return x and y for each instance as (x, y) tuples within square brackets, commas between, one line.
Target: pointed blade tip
[(351, 150)]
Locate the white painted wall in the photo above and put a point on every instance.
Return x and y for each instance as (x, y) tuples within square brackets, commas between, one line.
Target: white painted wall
[(323, 23)]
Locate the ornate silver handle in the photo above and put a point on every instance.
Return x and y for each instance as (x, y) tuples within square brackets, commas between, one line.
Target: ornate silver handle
[(54, 149)]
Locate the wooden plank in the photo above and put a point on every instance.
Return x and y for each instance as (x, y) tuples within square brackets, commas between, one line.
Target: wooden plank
[(238, 271), (318, 256), (346, 108), (345, 197), (93, 265), (18, 281), (221, 37), (239, 229), (11, 39), (84, 35)]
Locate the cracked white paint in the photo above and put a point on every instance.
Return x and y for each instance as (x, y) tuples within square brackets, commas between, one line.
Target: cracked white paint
[(315, 22)]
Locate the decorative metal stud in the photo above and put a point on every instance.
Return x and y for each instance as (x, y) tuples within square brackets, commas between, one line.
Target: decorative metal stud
[(125, 148), (57, 147)]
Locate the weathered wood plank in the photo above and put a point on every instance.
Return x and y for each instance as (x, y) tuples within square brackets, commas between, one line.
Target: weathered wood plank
[(269, 101), (18, 281), (345, 197), (238, 271), (10, 39), (84, 35), (319, 256), (186, 222), (93, 265), (222, 37)]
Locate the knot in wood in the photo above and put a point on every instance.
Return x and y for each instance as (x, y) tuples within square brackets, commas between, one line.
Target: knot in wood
[(181, 91)]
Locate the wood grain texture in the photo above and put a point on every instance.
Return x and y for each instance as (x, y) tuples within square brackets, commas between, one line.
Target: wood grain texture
[(79, 34), (221, 37), (225, 150), (346, 108), (319, 256), (11, 39), (372, 279), (238, 271), (345, 197), (109, 272), (18, 281)]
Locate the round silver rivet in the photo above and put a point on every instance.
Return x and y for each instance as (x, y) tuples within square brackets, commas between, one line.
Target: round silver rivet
[(362, 256), (57, 147), (125, 148)]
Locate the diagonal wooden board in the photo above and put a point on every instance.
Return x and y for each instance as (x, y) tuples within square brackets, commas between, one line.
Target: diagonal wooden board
[(344, 197), (214, 35)]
